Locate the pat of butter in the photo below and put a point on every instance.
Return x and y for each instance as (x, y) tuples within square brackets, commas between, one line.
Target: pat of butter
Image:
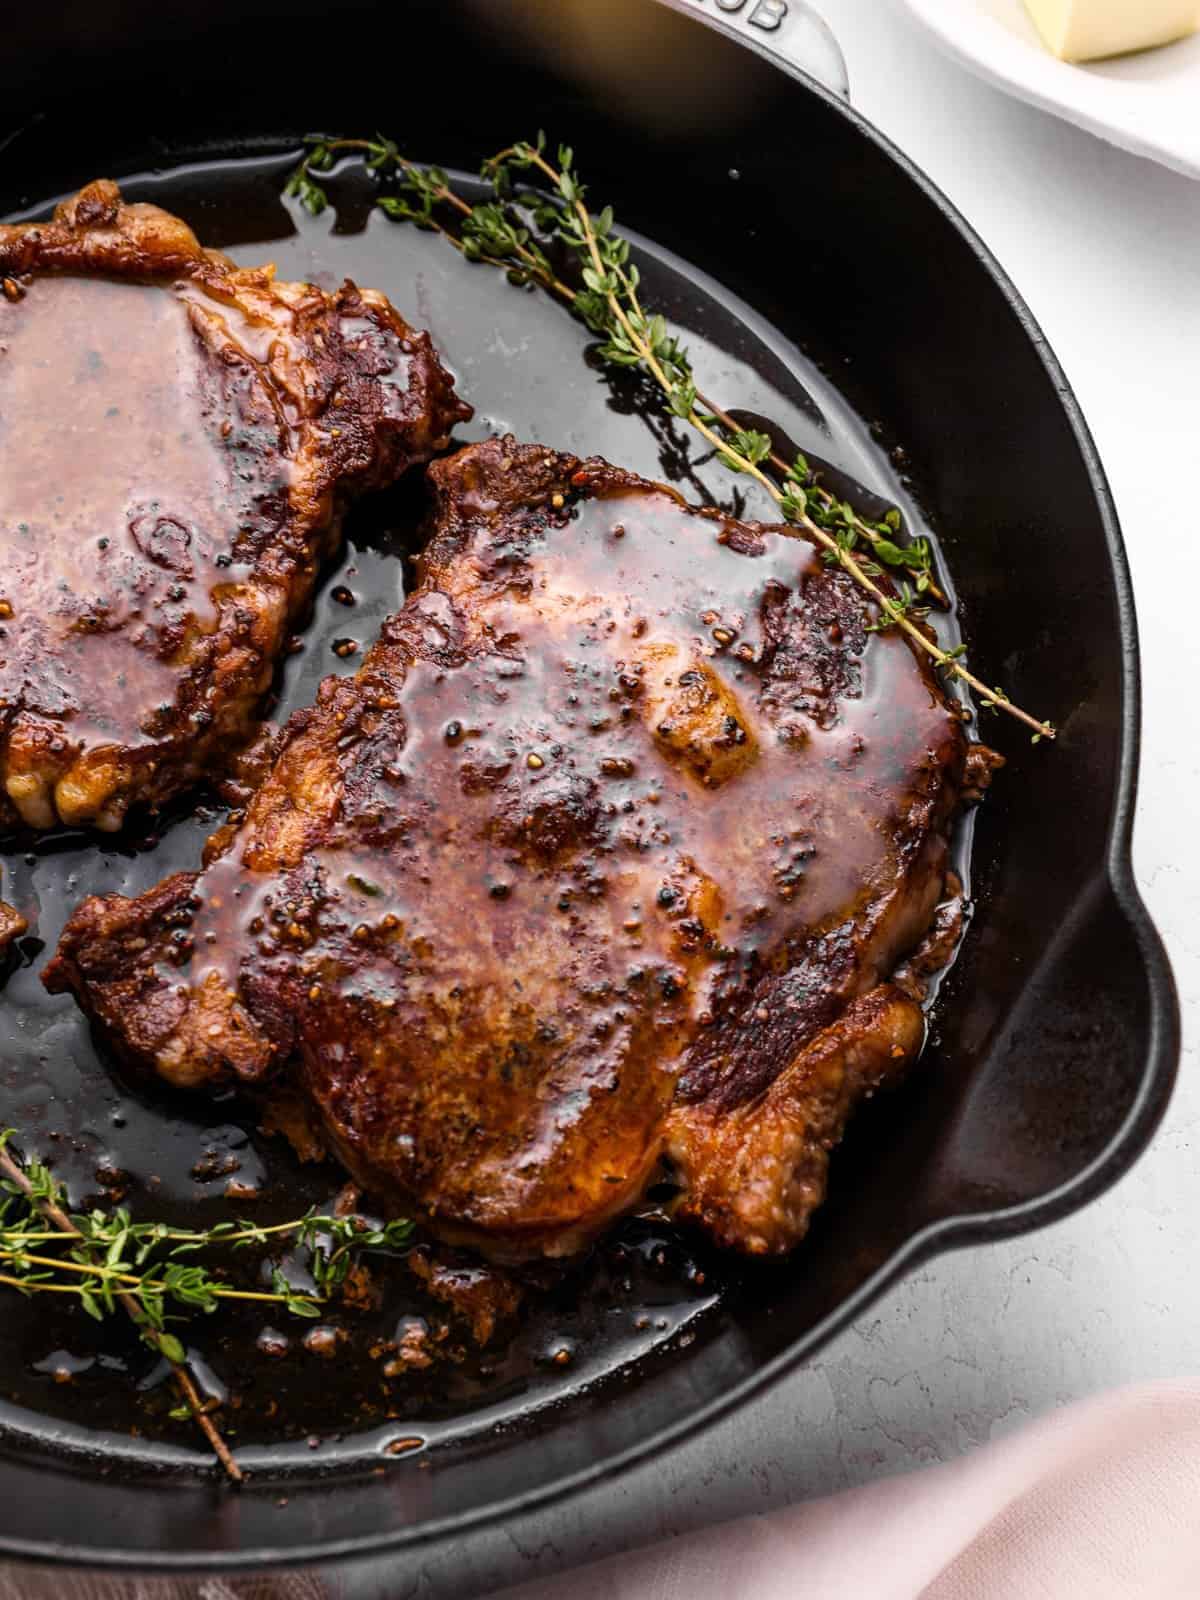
[(1086, 30)]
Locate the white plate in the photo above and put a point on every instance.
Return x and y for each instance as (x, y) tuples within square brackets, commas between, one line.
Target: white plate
[(1149, 103)]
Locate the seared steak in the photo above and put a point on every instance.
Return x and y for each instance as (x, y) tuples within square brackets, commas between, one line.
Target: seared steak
[(180, 438), (604, 860)]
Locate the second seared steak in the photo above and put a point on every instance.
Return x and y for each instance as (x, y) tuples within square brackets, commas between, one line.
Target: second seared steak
[(601, 866), (179, 438)]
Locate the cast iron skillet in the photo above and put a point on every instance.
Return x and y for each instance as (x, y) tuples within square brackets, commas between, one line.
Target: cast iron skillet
[(1057, 1036)]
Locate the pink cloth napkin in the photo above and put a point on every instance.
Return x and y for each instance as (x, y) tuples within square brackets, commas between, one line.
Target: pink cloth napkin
[(1099, 1501)]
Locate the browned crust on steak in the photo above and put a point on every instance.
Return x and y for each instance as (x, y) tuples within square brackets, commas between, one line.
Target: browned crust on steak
[(757, 1171)]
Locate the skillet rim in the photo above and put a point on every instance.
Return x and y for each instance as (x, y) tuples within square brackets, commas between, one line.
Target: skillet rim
[(1114, 874)]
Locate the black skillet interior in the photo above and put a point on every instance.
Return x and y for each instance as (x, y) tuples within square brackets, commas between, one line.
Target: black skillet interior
[(1055, 1039)]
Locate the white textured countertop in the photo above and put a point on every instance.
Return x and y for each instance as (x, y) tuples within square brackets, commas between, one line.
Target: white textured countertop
[(1106, 249)]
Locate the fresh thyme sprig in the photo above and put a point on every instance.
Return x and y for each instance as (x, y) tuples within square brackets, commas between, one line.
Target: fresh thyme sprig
[(491, 233), (496, 231), (46, 1199), (109, 1263)]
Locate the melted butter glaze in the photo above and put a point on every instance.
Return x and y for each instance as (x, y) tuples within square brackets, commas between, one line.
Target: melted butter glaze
[(120, 503), (181, 440), (615, 774)]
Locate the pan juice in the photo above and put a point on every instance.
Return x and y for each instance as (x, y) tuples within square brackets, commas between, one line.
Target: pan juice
[(643, 1295)]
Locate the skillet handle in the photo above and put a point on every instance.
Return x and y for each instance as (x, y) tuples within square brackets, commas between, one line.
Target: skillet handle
[(789, 29)]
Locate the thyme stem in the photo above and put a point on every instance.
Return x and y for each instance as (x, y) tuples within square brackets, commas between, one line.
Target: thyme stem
[(114, 1275)]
